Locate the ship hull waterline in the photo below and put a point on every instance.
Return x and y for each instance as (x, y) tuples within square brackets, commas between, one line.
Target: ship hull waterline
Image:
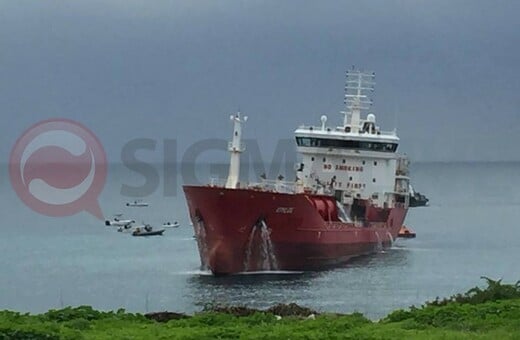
[(246, 230)]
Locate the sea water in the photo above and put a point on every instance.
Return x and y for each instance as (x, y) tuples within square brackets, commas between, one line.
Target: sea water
[(470, 229)]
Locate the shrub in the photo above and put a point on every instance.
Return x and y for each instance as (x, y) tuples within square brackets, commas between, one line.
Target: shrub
[(494, 291), (16, 333)]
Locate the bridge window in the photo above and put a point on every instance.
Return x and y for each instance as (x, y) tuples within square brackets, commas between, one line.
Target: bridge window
[(302, 141), (346, 144)]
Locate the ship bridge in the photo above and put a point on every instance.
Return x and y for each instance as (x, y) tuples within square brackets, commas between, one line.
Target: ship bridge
[(324, 139)]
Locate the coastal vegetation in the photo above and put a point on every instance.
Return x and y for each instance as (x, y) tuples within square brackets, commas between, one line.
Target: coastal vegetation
[(492, 312)]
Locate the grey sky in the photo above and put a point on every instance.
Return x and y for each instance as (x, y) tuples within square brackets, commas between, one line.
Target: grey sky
[(447, 71)]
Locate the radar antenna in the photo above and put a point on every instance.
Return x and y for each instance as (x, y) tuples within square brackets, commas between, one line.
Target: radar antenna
[(357, 86)]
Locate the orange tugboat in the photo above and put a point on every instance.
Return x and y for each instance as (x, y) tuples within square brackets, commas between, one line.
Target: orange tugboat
[(404, 232), (349, 197)]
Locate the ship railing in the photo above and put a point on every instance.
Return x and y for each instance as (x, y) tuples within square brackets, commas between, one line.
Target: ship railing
[(264, 185), (311, 128), (391, 133), (388, 133), (241, 147), (217, 182), (274, 185)]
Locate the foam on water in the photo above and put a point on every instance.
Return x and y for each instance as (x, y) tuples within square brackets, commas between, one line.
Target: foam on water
[(195, 272), (272, 272)]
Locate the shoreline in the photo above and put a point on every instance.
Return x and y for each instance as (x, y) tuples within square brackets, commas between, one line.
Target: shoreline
[(491, 312)]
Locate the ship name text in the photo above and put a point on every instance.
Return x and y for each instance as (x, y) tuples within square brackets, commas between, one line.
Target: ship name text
[(284, 210)]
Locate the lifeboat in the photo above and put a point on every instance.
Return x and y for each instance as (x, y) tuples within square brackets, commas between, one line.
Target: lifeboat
[(404, 232)]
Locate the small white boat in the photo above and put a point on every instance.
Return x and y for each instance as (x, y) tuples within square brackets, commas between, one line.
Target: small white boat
[(118, 222), (126, 228), (147, 230), (171, 225), (137, 203)]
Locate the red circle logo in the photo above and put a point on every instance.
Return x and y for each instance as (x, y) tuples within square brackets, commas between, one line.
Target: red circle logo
[(58, 168)]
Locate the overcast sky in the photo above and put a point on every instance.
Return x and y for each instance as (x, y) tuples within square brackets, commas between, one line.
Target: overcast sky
[(448, 75)]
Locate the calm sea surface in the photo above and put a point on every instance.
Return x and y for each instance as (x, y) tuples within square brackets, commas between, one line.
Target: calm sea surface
[(470, 229)]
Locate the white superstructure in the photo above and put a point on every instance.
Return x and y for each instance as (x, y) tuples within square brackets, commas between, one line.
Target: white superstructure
[(356, 160)]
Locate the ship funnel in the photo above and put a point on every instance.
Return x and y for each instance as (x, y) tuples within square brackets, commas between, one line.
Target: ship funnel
[(235, 148)]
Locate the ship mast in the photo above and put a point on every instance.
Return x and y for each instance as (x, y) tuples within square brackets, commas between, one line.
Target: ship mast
[(235, 148), (357, 84)]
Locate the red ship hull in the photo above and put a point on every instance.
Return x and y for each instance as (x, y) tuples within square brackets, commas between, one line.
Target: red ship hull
[(244, 230)]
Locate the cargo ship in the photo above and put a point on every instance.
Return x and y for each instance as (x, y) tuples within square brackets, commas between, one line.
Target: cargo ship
[(349, 197)]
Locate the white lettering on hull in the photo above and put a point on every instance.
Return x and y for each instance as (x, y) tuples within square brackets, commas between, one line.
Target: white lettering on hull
[(284, 210)]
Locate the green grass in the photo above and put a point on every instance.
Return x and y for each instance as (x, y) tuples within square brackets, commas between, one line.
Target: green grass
[(490, 313)]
